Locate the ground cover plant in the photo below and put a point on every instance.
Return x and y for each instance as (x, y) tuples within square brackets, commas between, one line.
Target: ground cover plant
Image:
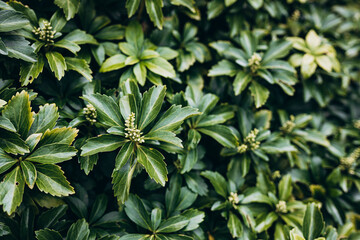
[(179, 119)]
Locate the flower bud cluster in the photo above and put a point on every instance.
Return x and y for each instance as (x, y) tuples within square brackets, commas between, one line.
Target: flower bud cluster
[(250, 142), (289, 125), (347, 162), (233, 198), (254, 62), (45, 33), (357, 124), (132, 132), (281, 207), (296, 15), (90, 113)]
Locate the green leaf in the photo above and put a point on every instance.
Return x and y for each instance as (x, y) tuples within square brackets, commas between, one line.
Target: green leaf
[(135, 210), (12, 191), (224, 67), (124, 155), (285, 188), (173, 118), (70, 7), (173, 224), (154, 9), (12, 143), (52, 153), (113, 63), (50, 217), (140, 73), (98, 209), (248, 42), (189, 4), (195, 217), (29, 172), (57, 64), (161, 67), (136, 237), (45, 119), (153, 162), (6, 124), (80, 37), (103, 143), (313, 222), (80, 66), (87, 163), (62, 135), (155, 218), (316, 137), (241, 81), (6, 161), (132, 6), (164, 136), (18, 47), (79, 230), (51, 179), (222, 134), (308, 66), (48, 234), (18, 111), (66, 44), (12, 20), (277, 49), (324, 62), (260, 93), (134, 35), (279, 64), (121, 180), (218, 182), (30, 71), (151, 105), (256, 3), (107, 110), (234, 225)]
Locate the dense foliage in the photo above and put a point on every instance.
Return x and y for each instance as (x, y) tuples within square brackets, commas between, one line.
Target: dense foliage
[(180, 119)]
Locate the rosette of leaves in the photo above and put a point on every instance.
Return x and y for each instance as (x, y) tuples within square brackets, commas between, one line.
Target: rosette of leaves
[(321, 185), (12, 44), (283, 210), (217, 7), (141, 59), (78, 230), (159, 225), (30, 148), (239, 209), (100, 221), (313, 226), (22, 224), (154, 9), (100, 27), (258, 142), (52, 47), (138, 137), (189, 48), (210, 123), (317, 52), (294, 128), (251, 65)]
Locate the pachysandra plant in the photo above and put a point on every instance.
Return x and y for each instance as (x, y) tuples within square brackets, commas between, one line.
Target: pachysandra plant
[(48, 42), (140, 58), (250, 64), (133, 125), (30, 148), (317, 52), (179, 120), (11, 44)]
